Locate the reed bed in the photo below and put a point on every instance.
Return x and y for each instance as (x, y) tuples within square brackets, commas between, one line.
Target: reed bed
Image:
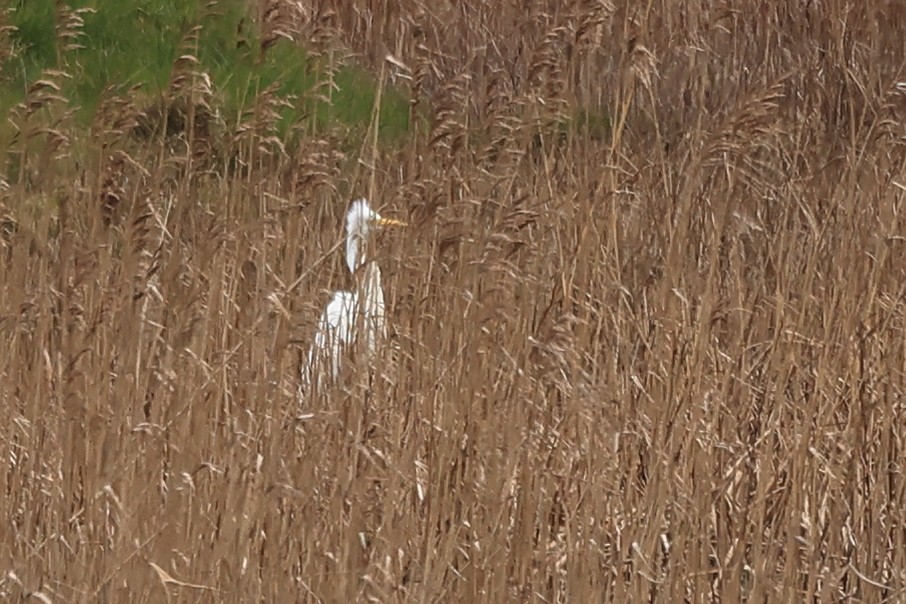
[(647, 324)]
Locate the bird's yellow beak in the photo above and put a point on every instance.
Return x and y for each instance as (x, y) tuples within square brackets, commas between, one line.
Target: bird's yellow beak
[(390, 222)]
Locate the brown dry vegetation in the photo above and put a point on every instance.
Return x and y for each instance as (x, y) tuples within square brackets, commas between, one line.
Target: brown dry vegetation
[(647, 326)]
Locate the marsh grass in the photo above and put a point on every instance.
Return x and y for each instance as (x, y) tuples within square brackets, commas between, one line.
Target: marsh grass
[(652, 353)]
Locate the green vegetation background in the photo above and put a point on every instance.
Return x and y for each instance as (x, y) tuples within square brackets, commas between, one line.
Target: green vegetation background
[(123, 44)]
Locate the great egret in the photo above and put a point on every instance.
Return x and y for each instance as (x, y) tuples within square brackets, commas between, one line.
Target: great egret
[(351, 315)]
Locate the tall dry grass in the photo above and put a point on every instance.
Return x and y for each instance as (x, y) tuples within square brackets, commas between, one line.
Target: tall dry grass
[(647, 327)]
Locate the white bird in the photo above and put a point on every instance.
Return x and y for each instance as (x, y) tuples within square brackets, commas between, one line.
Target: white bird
[(350, 316)]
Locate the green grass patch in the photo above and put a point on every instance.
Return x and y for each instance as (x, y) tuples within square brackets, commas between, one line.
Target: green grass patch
[(129, 43)]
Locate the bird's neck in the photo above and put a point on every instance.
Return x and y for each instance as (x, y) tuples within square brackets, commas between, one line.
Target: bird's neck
[(354, 254), (371, 294), (357, 253)]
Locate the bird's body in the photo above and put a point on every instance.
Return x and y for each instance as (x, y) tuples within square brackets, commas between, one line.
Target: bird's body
[(351, 318), (334, 333), (346, 315)]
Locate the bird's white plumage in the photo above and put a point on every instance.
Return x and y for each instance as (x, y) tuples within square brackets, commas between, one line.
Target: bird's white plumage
[(334, 332), (349, 315)]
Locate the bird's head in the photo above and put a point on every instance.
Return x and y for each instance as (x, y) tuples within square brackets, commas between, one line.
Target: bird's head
[(361, 221)]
